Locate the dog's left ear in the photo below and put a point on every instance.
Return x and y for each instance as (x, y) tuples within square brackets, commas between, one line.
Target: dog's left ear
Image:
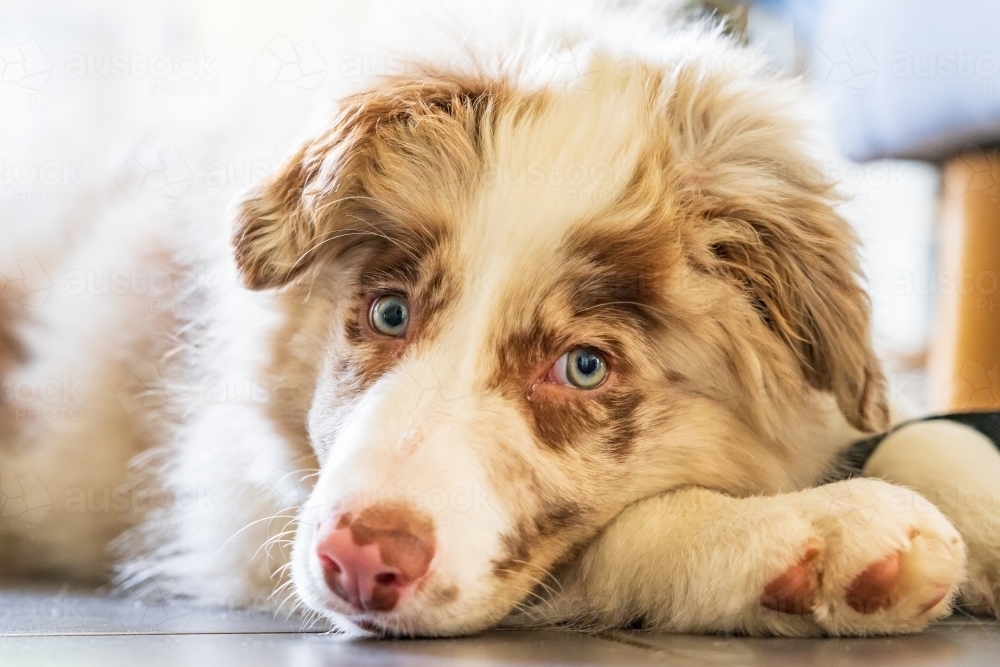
[(795, 259), (319, 202), (769, 226)]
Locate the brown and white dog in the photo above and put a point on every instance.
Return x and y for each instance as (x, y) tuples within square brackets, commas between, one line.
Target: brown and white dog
[(533, 344)]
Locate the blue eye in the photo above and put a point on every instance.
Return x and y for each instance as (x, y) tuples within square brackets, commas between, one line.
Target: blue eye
[(390, 316), (583, 368)]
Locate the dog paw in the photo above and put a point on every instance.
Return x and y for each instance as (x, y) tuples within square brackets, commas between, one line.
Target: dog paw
[(880, 560)]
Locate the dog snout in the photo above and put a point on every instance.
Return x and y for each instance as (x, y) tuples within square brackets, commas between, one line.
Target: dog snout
[(375, 558)]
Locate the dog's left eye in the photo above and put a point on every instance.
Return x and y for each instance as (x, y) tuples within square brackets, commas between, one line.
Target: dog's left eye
[(390, 315), (582, 368)]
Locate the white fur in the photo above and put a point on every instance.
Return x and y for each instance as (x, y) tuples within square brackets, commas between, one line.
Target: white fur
[(697, 561), (957, 470)]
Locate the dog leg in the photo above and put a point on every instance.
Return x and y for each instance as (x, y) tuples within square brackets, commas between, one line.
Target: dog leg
[(957, 469), (859, 557)]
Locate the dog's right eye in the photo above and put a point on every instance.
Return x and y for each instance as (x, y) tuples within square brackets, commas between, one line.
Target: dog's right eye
[(390, 316)]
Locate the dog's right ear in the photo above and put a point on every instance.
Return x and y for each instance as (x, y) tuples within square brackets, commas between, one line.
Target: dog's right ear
[(315, 204)]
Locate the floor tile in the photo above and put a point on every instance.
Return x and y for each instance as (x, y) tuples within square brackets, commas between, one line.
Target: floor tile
[(493, 649), (45, 626), (61, 611)]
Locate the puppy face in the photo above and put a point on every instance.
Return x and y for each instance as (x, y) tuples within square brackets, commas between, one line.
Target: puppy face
[(529, 307)]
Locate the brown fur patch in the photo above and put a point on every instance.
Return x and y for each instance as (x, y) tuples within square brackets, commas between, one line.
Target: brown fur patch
[(619, 275), (321, 203), (543, 541), (603, 423), (439, 596), (517, 551)]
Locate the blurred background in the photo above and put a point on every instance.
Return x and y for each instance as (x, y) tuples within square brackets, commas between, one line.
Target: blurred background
[(180, 105)]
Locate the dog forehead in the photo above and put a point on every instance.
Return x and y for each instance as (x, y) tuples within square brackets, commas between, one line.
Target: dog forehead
[(549, 171), (547, 174)]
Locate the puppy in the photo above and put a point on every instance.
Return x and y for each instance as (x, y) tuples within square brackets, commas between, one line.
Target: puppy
[(565, 334)]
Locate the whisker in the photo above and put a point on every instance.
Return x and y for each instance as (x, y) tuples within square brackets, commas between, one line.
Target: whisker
[(277, 515), (273, 540)]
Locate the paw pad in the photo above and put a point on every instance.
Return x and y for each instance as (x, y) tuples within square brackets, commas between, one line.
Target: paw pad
[(792, 592), (883, 585), (872, 590)]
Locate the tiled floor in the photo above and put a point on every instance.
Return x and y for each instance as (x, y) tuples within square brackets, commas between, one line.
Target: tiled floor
[(39, 629)]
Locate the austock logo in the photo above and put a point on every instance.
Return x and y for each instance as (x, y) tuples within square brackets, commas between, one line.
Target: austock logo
[(150, 170), (285, 60), (579, 64), (23, 281), (145, 388), (46, 399), (161, 607), (849, 64), (49, 182), (975, 385), (23, 498), (22, 63), (981, 173), (181, 74)]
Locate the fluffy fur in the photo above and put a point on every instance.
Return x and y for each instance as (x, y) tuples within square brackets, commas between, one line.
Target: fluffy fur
[(655, 200)]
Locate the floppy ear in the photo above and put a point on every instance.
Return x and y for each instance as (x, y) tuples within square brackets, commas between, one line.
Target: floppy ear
[(319, 202), (303, 209), (274, 227), (796, 261), (769, 226)]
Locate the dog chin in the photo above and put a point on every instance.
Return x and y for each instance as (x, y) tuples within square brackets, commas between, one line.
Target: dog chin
[(362, 625), (412, 622)]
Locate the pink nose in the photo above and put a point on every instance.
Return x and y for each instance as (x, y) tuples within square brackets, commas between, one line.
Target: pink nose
[(372, 560)]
